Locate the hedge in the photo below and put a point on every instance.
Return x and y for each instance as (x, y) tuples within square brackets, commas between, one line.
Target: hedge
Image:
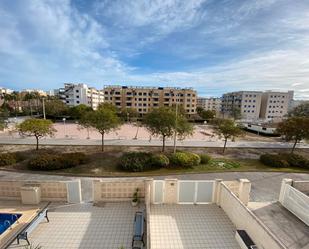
[(55, 162), (296, 160), (184, 159), (274, 160), (136, 161), (205, 159), (7, 159)]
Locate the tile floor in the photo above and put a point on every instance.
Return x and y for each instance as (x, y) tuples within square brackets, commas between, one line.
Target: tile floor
[(86, 226), (191, 227)]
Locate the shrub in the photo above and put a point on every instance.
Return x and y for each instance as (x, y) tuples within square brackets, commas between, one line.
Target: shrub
[(296, 160), (136, 161), (44, 162), (69, 160), (273, 160), (7, 159), (205, 158), (159, 160), (54, 162), (184, 159)]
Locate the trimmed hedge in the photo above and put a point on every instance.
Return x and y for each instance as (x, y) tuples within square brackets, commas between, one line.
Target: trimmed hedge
[(136, 161), (7, 159), (184, 159), (55, 162), (205, 159), (160, 161), (296, 160), (274, 160)]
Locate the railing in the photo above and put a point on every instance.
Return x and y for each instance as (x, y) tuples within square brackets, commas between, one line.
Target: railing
[(296, 202)]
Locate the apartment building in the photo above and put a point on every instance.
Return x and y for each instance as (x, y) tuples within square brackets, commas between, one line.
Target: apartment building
[(76, 94), (212, 104), (4, 90), (40, 92), (143, 99), (275, 105), (246, 103)]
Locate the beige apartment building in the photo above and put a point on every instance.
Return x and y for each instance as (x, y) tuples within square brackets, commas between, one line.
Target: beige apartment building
[(77, 94), (143, 99), (275, 105), (247, 103), (212, 104)]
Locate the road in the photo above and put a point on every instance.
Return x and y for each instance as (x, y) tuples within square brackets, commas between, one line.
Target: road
[(153, 142)]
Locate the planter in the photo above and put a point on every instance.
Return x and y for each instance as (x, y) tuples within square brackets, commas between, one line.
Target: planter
[(134, 203)]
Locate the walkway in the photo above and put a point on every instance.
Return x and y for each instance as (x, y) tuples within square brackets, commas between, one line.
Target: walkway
[(153, 142)]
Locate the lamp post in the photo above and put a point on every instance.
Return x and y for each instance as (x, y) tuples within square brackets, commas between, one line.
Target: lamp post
[(175, 132), (64, 128), (43, 104)]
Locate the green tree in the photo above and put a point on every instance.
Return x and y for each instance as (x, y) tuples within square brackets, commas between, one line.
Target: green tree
[(76, 112), (294, 129), (300, 111), (162, 122), (55, 108), (227, 129), (207, 114), (236, 112), (104, 120), (37, 128), (129, 114)]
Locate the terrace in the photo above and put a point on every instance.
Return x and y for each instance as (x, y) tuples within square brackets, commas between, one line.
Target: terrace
[(179, 214)]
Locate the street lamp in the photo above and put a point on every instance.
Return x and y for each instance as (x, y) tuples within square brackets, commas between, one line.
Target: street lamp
[(175, 132), (64, 128)]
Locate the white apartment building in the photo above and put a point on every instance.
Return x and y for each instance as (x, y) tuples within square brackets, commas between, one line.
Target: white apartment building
[(212, 104), (275, 105), (4, 90), (247, 103), (77, 94)]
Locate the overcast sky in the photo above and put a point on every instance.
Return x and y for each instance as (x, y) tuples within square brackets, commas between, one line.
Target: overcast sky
[(214, 46)]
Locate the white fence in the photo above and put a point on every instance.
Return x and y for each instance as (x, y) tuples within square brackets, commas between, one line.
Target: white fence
[(173, 191), (296, 202)]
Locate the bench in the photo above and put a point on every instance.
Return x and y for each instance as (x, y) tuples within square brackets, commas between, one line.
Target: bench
[(32, 225), (244, 240), (139, 220)]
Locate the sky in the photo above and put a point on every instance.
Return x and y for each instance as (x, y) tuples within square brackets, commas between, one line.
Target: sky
[(214, 46)]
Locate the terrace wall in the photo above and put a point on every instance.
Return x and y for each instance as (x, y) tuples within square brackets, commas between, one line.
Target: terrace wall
[(50, 190), (117, 189), (244, 219)]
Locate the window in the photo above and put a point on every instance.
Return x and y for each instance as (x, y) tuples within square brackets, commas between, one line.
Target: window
[(77, 91), (129, 104), (264, 128), (144, 104), (106, 92), (166, 94), (117, 93), (77, 102), (145, 99), (145, 94), (77, 96), (140, 94)]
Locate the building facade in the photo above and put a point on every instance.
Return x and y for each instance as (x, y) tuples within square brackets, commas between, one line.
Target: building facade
[(275, 105), (143, 99), (212, 104), (77, 94), (243, 104)]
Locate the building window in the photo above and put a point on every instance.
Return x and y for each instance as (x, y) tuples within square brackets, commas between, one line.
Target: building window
[(77, 102), (129, 104), (77, 91)]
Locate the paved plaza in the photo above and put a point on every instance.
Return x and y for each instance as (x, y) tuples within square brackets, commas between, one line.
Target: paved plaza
[(191, 227)]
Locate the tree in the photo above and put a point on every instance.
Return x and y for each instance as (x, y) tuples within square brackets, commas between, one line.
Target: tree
[(76, 112), (294, 129), (162, 122), (129, 114), (37, 128), (207, 114), (227, 129), (236, 112), (300, 111), (104, 120), (55, 108)]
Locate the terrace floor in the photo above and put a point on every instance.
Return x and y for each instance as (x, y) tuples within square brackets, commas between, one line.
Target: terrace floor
[(290, 230), (191, 227), (108, 226)]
